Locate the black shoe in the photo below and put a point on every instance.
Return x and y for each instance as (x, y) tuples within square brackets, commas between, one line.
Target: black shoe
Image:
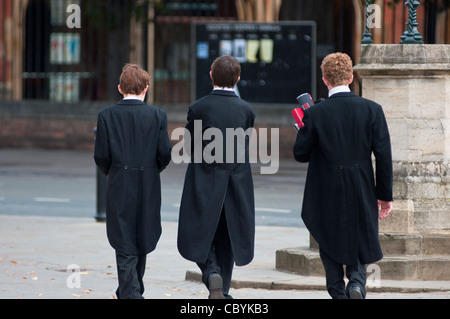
[(354, 292), (215, 284)]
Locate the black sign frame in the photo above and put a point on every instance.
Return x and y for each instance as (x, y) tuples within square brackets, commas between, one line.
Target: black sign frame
[(282, 67)]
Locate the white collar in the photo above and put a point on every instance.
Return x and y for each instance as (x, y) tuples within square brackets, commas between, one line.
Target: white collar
[(132, 97), (339, 89), (224, 89)]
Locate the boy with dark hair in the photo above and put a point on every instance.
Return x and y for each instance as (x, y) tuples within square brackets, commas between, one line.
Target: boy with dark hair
[(132, 148), (217, 213)]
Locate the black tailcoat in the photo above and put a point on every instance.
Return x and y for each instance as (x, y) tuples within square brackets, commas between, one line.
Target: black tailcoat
[(132, 147), (340, 200), (209, 187)]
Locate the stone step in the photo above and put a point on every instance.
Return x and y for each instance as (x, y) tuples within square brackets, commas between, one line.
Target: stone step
[(307, 262), (415, 244), (398, 244)]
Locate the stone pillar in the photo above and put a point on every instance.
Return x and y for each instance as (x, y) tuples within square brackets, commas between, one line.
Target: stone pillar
[(412, 83)]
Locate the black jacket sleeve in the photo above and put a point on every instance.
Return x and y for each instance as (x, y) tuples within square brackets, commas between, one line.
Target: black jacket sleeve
[(381, 147), (102, 155), (306, 140), (164, 147)]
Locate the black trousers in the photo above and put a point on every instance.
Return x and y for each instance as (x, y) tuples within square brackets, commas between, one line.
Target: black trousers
[(130, 272), (220, 258), (334, 271)]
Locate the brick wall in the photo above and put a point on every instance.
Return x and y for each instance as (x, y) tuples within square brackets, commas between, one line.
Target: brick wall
[(43, 124)]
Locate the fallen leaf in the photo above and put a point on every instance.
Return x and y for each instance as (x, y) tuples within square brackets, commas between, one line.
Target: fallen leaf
[(87, 291), (13, 262), (75, 295), (24, 277), (35, 278)]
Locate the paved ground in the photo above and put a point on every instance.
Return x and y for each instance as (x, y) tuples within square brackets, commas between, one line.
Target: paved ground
[(42, 237), (36, 253)]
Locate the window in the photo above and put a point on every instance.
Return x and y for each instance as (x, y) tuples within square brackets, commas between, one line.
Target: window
[(69, 65), (173, 59), (52, 53)]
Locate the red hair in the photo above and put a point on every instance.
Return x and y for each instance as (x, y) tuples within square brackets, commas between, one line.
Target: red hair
[(337, 68)]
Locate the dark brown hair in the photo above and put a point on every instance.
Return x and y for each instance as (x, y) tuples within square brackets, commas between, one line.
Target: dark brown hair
[(134, 79), (226, 71)]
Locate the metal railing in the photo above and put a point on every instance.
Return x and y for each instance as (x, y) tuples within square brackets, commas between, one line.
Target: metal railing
[(410, 36)]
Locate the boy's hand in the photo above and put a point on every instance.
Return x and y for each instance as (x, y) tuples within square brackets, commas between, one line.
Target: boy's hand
[(385, 208)]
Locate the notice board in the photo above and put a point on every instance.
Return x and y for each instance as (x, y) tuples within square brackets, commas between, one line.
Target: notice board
[(277, 59)]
